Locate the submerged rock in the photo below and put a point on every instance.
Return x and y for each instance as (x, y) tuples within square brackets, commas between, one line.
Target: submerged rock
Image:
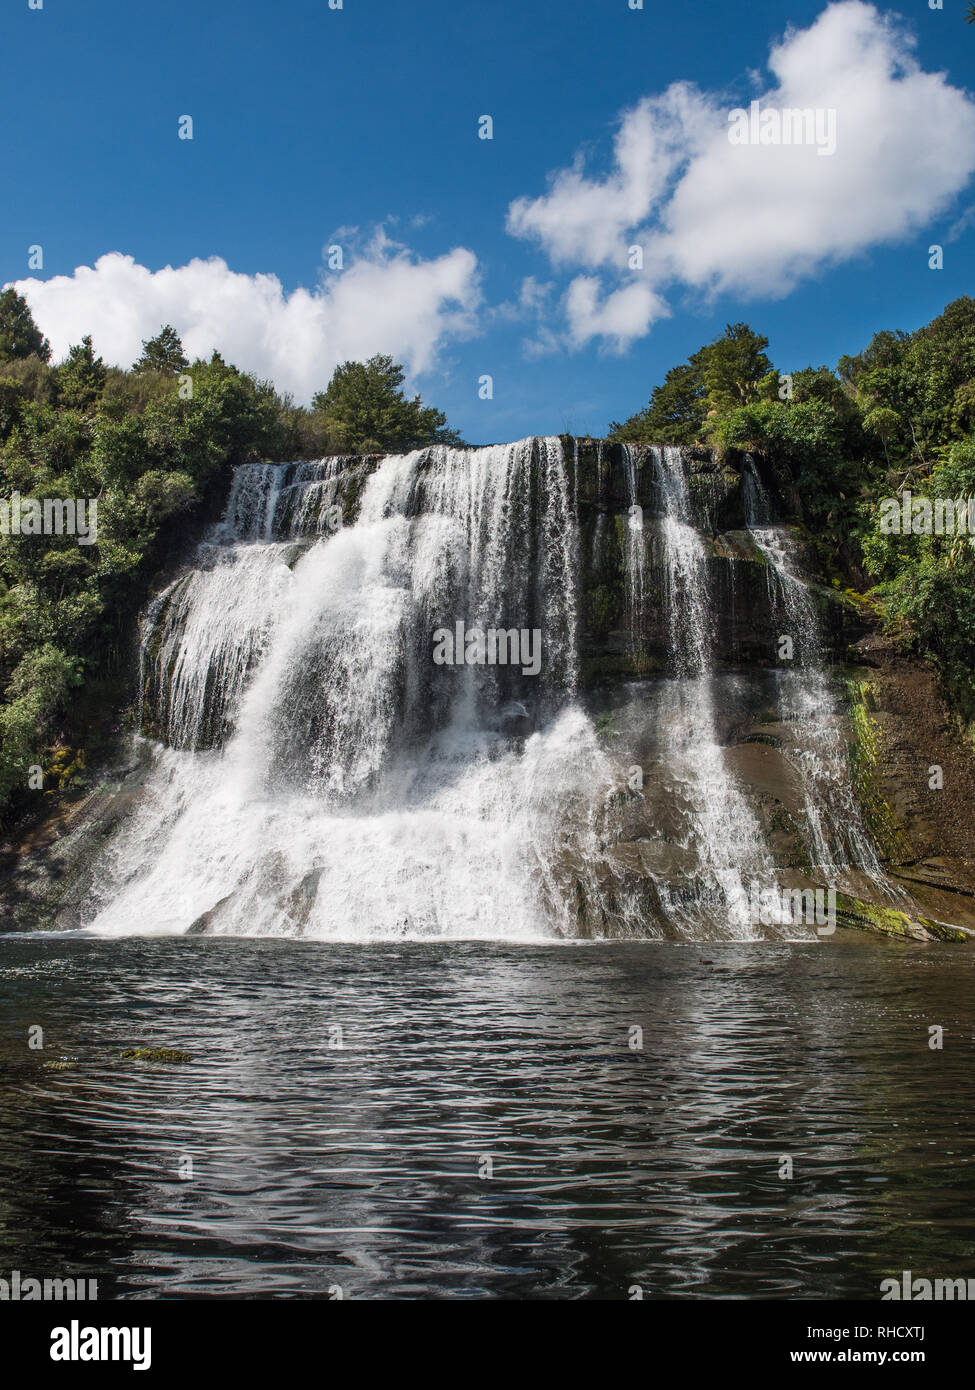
[(170, 1055)]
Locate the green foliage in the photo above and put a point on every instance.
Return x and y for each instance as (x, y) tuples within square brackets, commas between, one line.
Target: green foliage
[(918, 387), (19, 334), (805, 439), (32, 375), (917, 392), (11, 404), (927, 582), (364, 410), (719, 377), (163, 353), (732, 367), (80, 379), (36, 690)]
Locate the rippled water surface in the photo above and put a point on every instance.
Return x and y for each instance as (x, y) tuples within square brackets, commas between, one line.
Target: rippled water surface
[(366, 1165)]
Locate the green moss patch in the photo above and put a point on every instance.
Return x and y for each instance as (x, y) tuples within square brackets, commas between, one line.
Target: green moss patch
[(865, 753), (861, 916), (169, 1055)]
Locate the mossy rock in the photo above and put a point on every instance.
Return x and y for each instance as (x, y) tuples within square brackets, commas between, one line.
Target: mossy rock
[(171, 1055), (861, 916), (865, 754), (65, 769), (62, 1064)]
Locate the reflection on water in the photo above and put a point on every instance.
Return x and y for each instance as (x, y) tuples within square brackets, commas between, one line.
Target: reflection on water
[(315, 1165)]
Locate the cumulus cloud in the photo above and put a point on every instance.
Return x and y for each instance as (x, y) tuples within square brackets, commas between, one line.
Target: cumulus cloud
[(757, 218), (386, 300), (618, 318), (582, 221)]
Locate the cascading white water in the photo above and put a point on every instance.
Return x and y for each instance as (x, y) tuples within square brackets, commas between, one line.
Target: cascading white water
[(328, 778), (837, 837), (720, 825), (314, 770), (205, 633), (635, 547)]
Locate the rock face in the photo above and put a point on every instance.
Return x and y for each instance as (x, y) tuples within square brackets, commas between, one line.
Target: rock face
[(750, 725), (747, 627), (893, 722), (915, 774)]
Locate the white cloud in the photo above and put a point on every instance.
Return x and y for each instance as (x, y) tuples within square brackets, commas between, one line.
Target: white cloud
[(756, 219), (759, 218), (385, 300), (618, 318), (582, 221), (532, 302)]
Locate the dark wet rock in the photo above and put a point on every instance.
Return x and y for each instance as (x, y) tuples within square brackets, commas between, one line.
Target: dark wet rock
[(44, 872), (208, 921), (515, 720)]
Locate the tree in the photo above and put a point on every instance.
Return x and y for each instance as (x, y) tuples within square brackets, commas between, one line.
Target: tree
[(19, 334), (365, 410), (676, 412), (732, 366), (38, 687), (81, 377), (721, 376), (163, 353), (884, 423)]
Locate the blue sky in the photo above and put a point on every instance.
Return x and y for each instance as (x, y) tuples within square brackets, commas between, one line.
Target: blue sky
[(309, 122)]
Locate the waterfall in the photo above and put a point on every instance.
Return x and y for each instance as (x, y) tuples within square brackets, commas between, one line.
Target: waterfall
[(362, 713), (839, 839), (319, 773), (634, 548), (719, 823)]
